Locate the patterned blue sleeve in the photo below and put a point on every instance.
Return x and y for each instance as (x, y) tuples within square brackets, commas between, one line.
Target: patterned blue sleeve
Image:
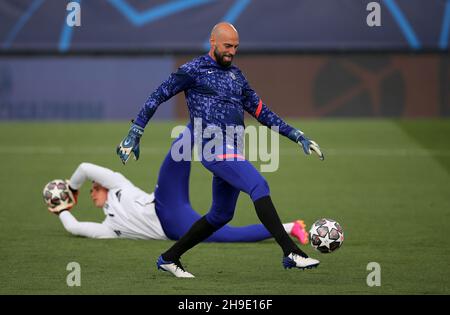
[(177, 82), (255, 107)]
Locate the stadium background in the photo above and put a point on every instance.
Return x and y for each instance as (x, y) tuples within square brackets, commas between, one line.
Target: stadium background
[(75, 75), (67, 94)]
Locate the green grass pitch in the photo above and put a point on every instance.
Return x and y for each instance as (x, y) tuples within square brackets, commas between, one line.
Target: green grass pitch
[(386, 181)]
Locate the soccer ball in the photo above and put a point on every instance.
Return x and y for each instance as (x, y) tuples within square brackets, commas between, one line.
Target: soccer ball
[(56, 194), (326, 235)]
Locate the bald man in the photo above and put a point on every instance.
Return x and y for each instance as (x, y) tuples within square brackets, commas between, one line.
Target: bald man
[(217, 95)]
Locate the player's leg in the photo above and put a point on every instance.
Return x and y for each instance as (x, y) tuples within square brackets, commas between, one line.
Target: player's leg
[(242, 175), (180, 225), (176, 226), (232, 234), (256, 233), (221, 212), (173, 206), (173, 179), (224, 199), (172, 189)]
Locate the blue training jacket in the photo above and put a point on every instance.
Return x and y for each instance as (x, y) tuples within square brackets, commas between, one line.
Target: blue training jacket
[(216, 94)]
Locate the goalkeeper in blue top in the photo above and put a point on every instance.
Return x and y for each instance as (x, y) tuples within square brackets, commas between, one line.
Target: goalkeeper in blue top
[(217, 94)]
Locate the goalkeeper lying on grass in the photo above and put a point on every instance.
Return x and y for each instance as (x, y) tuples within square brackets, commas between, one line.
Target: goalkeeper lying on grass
[(165, 214)]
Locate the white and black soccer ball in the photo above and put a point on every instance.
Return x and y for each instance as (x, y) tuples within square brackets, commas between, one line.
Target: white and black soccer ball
[(57, 193), (326, 235)]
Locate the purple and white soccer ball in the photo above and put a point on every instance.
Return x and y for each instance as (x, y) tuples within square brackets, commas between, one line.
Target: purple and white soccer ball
[(326, 235), (56, 193)]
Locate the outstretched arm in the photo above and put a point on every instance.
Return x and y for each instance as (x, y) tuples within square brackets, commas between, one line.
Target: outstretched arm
[(86, 229), (101, 175), (176, 83)]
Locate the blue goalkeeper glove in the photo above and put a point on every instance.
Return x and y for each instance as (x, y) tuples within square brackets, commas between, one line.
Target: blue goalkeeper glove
[(130, 144), (307, 144)]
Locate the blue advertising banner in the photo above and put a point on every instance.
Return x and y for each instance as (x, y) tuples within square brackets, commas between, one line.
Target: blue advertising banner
[(183, 26), (80, 88)]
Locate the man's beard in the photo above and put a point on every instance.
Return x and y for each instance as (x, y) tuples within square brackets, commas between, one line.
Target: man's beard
[(219, 59)]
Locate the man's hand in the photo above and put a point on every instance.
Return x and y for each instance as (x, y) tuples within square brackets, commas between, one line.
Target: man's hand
[(130, 144), (307, 144), (68, 202), (73, 191), (57, 210)]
